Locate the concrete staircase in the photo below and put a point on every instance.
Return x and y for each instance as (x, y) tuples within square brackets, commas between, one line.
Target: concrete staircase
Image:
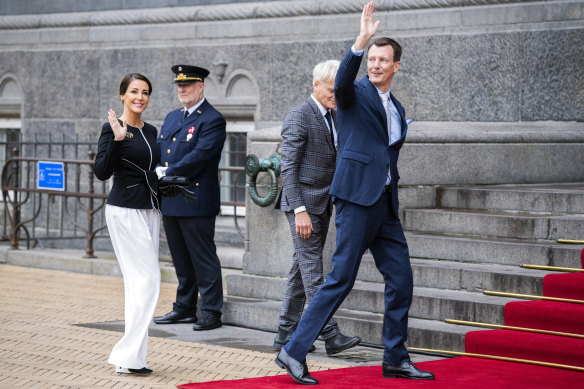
[(474, 240)]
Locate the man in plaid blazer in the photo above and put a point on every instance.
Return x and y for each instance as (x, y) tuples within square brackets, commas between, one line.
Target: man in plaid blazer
[(308, 165)]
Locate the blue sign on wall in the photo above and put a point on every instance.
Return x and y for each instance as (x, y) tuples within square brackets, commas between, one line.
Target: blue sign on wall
[(51, 175)]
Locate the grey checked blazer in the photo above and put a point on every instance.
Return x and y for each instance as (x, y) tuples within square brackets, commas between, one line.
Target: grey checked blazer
[(308, 159)]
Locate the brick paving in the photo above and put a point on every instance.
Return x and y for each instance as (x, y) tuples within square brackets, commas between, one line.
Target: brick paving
[(41, 345)]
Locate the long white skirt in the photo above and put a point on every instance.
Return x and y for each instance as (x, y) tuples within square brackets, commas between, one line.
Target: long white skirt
[(135, 238)]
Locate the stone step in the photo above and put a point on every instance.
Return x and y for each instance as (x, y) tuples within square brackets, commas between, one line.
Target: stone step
[(230, 256), (226, 230), (470, 277), (427, 303), (556, 198), (495, 224), (263, 314), (502, 251)]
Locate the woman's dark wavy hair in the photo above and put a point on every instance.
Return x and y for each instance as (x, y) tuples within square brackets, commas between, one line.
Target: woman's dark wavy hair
[(128, 78)]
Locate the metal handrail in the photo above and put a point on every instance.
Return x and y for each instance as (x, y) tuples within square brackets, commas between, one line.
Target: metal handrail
[(14, 200), (18, 188)]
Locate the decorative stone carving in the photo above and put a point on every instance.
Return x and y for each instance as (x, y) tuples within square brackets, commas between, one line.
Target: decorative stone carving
[(277, 9), (220, 65)]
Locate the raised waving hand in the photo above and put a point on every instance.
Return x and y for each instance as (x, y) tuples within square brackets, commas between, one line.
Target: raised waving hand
[(368, 27)]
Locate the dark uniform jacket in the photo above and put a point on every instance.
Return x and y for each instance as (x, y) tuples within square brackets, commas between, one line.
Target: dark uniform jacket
[(131, 161), (192, 148)]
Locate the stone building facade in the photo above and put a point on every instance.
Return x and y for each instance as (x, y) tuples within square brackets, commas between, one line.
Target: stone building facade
[(495, 86), (463, 60)]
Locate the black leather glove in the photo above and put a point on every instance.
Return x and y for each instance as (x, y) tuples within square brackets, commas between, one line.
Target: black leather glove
[(172, 186)]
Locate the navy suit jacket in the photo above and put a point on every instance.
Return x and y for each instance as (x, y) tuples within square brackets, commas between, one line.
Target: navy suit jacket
[(364, 154), (192, 148)]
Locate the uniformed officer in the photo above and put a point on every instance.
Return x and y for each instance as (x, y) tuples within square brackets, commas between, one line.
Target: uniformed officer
[(191, 140)]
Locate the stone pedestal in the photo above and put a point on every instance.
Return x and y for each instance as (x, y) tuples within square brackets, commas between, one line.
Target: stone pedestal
[(435, 153)]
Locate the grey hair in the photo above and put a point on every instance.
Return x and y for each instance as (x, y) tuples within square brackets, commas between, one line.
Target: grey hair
[(325, 71)]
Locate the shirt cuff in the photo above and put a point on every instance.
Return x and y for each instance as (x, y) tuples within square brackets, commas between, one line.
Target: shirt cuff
[(302, 208), (355, 52)]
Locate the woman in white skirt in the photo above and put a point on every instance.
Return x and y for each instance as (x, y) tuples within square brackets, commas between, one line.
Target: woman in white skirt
[(127, 149)]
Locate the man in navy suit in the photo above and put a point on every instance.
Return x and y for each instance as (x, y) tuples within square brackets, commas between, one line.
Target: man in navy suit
[(191, 140), (372, 130)]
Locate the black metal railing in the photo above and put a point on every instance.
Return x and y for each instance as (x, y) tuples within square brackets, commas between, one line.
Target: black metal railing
[(24, 201), (34, 215)]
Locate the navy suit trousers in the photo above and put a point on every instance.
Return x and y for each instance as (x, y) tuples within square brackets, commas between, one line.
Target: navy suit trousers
[(360, 228)]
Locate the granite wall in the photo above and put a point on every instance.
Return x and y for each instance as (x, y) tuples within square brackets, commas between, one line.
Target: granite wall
[(435, 153), (495, 61)]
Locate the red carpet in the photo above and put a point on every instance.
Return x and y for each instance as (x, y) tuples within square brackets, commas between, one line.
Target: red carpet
[(454, 373), (526, 345), (567, 286), (546, 315), (475, 373)]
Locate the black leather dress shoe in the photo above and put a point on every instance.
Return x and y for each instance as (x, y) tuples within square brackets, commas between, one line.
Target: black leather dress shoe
[(209, 321), (175, 317), (339, 343), (283, 337), (297, 370), (406, 370)]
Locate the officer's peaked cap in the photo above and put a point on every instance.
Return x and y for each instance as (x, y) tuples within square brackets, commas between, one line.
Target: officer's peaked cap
[(185, 74)]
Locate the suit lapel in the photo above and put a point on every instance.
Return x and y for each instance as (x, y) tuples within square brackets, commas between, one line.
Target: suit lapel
[(373, 95), (182, 123), (402, 113), (174, 123), (196, 113), (322, 122), (334, 114)]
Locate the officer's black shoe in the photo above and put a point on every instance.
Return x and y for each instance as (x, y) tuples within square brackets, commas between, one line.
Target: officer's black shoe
[(176, 317), (209, 321)]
